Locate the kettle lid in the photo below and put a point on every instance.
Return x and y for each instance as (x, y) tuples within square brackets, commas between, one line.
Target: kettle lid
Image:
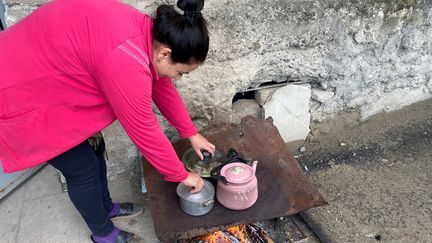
[(206, 193), (237, 172)]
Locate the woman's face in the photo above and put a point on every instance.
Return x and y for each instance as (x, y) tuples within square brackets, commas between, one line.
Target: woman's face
[(165, 66)]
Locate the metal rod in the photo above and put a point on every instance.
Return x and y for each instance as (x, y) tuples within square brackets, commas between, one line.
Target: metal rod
[(275, 85)]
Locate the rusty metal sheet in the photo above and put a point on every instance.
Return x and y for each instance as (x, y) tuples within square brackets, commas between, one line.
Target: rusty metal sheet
[(283, 188)]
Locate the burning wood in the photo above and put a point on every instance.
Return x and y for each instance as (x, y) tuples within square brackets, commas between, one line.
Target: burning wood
[(244, 233)]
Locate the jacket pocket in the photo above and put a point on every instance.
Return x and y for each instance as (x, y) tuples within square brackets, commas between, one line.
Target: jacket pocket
[(19, 115), (17, 133)]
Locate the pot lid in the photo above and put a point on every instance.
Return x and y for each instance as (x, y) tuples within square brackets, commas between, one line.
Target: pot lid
[(205, 194), (237, 172), (202, 167)]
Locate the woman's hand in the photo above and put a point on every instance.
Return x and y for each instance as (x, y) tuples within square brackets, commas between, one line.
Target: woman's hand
[(199, 142), (194, 181)]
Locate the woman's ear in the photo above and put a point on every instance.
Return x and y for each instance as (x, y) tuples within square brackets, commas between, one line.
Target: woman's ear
[(164, 53)]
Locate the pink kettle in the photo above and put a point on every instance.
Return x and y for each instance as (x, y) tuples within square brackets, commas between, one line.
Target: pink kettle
[(237, 186)]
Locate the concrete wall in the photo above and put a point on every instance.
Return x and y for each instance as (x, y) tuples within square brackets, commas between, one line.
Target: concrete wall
[(372, 55)]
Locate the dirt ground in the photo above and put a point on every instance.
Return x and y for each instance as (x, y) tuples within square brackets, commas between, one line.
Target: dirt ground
[(375, 176)]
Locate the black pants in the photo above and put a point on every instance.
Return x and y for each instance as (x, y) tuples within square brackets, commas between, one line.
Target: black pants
[(85, 171)]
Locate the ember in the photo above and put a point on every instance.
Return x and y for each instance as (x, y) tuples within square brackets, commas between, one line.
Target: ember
[(244, 233)]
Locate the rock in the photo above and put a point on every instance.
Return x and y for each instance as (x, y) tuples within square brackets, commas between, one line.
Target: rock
[(15, 13), (413, 41), (322, 96), (360, 36), (324, 85), (289, 108), (243, 108), (263, 95)]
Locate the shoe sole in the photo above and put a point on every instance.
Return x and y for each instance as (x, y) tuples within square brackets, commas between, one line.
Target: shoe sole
[(137, 239), (129, 216)]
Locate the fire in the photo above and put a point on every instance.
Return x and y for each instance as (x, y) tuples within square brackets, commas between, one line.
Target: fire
[(243, 233), (238, 231), (216, 237)]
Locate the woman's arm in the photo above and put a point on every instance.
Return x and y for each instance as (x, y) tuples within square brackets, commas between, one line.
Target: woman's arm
[(127, 87), (170, 104)]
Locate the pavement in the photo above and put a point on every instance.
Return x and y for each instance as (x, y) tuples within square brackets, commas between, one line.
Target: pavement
[(39, 211), (376, 177)]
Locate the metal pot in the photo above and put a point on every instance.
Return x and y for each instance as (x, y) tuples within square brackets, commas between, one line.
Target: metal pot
[(196, 204)]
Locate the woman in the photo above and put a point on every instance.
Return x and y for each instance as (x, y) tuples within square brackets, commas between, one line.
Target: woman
[(71, 68)]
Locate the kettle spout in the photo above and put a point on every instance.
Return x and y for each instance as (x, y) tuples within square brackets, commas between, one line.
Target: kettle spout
[(254, 166)]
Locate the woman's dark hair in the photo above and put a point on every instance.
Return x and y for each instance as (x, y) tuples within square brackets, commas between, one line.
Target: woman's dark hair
[(185, 34)]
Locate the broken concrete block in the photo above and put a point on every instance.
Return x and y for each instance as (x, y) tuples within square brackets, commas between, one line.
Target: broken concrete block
[(263, 95), (322, 96), (243, 108), (289, 108)]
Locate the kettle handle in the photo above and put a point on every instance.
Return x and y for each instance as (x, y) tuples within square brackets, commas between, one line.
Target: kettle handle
[(233, 156), (220, 178), (215, 173)]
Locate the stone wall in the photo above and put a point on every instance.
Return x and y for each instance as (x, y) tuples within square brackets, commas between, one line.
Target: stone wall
[(366, 57)]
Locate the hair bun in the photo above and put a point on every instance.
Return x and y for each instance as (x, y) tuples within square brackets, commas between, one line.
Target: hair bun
[(191, 14), (191, 8)]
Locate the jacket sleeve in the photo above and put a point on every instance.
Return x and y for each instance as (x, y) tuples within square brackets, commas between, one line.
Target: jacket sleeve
[(127, 87), (170, 104)]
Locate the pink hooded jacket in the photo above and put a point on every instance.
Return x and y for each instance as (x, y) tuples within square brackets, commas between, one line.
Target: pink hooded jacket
[(70, 69)]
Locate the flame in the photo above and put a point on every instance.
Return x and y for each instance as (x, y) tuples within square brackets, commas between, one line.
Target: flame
[(216, 237), (238, 231)]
